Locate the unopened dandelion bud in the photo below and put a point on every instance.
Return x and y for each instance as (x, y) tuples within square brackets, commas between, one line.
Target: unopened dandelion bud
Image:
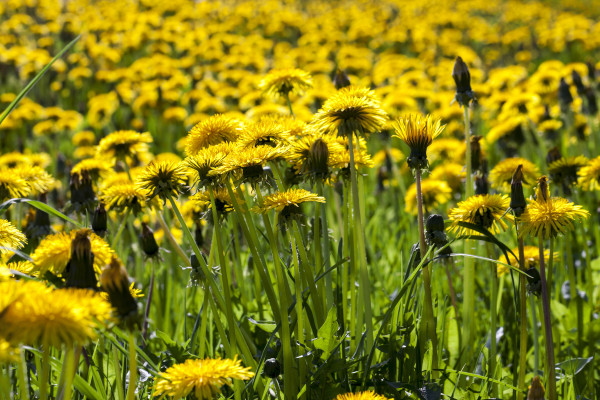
[(80, 269), (592, 102), (542, 192), (100, 220), (482, 185), (198, 235), (536, 390), (577, 82), (115, 282), (553, 155), (475, 152), (462, 78), (148, 242), (272, 368), (341, 79), (318, 159), (565, 97), (517, 198), (82, 192)]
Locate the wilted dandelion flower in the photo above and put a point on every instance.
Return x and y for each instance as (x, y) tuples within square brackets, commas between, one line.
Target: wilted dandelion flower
[(54, 251), (485, 211), (123, 196), (361, 396), (536, 390), (214, 130), (347, 112), (284, 81), (204, 378), (434, 192), (36, 314), (163, 179), (501, 175), (287, 203), (123, 144), (12, 186), (589, 175), (10, 237), (418, 132)]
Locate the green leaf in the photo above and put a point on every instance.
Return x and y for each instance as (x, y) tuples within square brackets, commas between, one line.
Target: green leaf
[(35, 80), (574, 365), (267, 326), (40, 206), (326, 334)]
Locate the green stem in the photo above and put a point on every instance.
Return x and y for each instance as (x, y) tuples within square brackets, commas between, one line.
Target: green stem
[(289, 104), (133, 372), (44, 375), (69, 366), (117, 367), (359, 243), (121, 227), (21, 373), (551, 387), (494, 323), (324, 236), (469, 266), (171, 239), (298, 295), (523, 322), (428, 317)]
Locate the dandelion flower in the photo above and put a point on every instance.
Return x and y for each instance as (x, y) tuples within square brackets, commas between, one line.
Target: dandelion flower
[(370, 395), (8, 353), (434, 192), (313, 155), (204, 378), (115, 281), (418, 132), (589, 176), (95, 168), (452, 173), (247, 164), (123, 196), (54, 252), (37, 178), (287, 203), (501, 175), (201, 202), (485, 211), (10, 237), (123, 144), (550, 217), (207, 160), (214, 130), (565, 170), (284, 81), (347, 112), (266, 132), (163, 179), (12, 185)]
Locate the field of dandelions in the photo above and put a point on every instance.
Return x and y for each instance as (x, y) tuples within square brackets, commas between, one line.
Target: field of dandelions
[(345, 200)]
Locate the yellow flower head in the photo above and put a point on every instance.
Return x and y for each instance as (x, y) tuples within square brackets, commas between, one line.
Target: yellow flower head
[(214, 130), (206, 160), (123, 196), (550, 217), (565, 170), (340, 157), (531, 259), (287, 203), (204, 378), (54, 251), (452, 173), (8, 352), (247, 164), (36, 177), (501, 174), (284, 81), (350, 111), (485, 211), (35, 314), (266, 132), (163, 179), (10, 237), (361, 396), (589, 176), (123, 144), (418, 132), (314, 154), (434, 193), (202, 204), (12, 185), (95, 168)]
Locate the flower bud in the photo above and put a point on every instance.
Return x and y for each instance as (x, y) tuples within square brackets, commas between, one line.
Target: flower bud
[(148, 241), (341, 79), (565, 97), (536, 390), (272, 368), (82, 192), (482, 186), (318, 159), (517, 198), (80, 269), (462, 78), (435, 233), (115, 282), (100, 220), (553, 155), (475, 152), (578, 82)]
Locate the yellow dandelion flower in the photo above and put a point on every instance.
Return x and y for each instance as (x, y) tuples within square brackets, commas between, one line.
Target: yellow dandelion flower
[(447, 149), (418, 132), (483, 210), (10, 237), (551, 217), (201, 202), (123, 196), (266, 132), (206, 160), (247, 164), (313, 155), (452, 173), (284, 81), (94, 167), (501, 174), (435, 193), (8, 353), (54, 252), (37, 178), (349, 112), (24, 267), (204, 378), (163, 179), (340, 157), (214, 130), (512, 126), (12, 186), (287, 203), (370, 395), (531, 259), (589, 176), (123, 144), (84, 138), (53, 317), (565, 170)]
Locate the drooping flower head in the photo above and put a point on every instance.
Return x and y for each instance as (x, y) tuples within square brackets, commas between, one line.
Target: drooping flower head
[(123, 144), (313, 154), (350, 111), (284, 81), (10, 237), (203, 378), (485, 211), (418, 132), (212, 131), (163, 179), (565, 171)]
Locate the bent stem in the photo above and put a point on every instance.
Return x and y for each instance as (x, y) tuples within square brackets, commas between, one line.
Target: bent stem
[(547, 326), (429, 329)]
